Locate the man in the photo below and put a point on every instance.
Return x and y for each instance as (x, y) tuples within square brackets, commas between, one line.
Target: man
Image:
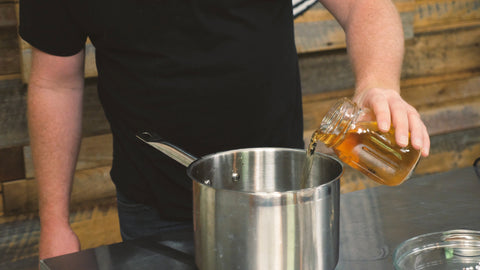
[(206, 75)]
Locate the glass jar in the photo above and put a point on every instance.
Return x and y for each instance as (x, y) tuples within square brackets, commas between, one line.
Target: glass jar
[(361, 145)]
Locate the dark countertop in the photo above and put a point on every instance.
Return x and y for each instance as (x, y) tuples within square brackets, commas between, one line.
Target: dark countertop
[(372, 223)]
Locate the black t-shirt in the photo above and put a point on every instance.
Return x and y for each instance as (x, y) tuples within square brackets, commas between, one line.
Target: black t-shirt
[(206, 75)]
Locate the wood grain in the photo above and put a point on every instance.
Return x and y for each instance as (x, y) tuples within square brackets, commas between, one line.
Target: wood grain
[(1, 202), (15, 196), (440, 15), (450, 151), (9, 52), (8, 16), (440, 53), (11, 163), (95, 224), (13, 123), (9, 47), (453, 118)]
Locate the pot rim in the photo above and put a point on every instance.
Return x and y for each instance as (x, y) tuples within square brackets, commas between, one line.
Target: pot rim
[(309, 190)]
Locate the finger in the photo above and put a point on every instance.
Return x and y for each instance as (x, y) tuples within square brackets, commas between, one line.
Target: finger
[(400, 122), (416, 130), (426, 142), (382, 113)]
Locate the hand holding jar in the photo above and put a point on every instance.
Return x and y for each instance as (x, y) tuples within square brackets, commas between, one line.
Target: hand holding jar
[(388, 109), (357, 139)]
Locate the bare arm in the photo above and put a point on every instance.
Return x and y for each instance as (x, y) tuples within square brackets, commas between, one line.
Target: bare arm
[(54, 115), (375, 45)]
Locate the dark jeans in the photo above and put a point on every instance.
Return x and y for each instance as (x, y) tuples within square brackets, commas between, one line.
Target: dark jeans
[(139, 220)]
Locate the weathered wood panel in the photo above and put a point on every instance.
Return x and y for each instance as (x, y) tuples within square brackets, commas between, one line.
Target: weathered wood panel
[(452, 150), (13, 121), (19, 241), (446, 119), (324, 72), (94, 120), (9, 48), (11, 164), (89, 185), (442, 53), (433, 91), (98, 225), (8, 17), (95, 151), (9, 53), (23, 240), (16, 196), (95, 225), (1, 204), (437, 54), (10, 77), (438, 15)]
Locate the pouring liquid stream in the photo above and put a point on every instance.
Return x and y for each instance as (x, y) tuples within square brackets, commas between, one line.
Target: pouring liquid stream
[(307, 167)]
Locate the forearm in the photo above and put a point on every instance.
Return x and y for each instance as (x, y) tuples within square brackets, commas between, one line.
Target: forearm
[(54, 131), (54, 117), (375, 44), (375, 41)]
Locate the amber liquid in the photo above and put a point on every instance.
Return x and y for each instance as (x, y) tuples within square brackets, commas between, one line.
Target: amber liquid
[(370, 151), (307, 166)]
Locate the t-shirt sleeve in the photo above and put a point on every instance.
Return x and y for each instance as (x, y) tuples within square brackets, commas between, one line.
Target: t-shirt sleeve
[(48, 26)]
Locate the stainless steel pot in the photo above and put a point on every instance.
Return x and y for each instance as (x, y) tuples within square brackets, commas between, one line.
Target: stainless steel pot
[(250, 213)]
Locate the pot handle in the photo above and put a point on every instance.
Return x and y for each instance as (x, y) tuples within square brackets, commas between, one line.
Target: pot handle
[(167, 148)]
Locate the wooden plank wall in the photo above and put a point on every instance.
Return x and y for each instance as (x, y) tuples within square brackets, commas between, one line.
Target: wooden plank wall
[(440, 77)]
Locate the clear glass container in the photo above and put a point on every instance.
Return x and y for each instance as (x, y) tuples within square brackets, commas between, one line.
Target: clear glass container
[(449, 250), (361, 145)]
